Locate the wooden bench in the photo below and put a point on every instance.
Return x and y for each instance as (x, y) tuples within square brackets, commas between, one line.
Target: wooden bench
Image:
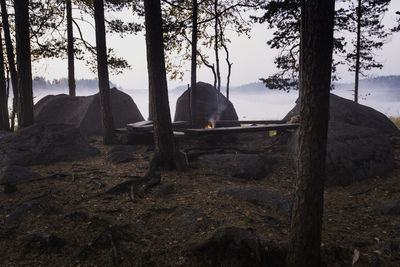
[(246, 129)]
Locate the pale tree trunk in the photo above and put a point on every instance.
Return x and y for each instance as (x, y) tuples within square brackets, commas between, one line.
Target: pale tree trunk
[(316, 62), (193, 76), (70, 50), (216, 37), (25, 103), (158, 90), (102, 69), (228, 62), (4, 123), (11, 61), (357, 67)]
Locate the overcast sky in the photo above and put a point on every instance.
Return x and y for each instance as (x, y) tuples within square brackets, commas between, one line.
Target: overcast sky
[(252, 59)]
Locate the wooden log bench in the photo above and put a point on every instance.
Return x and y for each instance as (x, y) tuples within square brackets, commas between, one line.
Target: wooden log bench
[(246, 129), (144, 129)]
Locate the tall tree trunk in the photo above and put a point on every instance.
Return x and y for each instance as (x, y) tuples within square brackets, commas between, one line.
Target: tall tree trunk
[(193, 77), (163, 137), (4, 123), (357, 69), (25, 103), (216, 37), (228, 62), (102, 70), (228, 77), (10, 59), (70, 38), (316, 58)]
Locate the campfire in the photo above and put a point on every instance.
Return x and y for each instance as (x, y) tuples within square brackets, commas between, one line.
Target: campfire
[(210, 125)]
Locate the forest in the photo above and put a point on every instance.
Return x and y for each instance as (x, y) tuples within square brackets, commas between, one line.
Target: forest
[(87, 180)]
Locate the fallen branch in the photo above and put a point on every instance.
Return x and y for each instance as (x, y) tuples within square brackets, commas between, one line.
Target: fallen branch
[(114, 249)]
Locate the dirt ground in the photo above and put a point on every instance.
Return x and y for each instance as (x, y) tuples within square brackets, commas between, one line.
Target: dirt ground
[(71, 221)]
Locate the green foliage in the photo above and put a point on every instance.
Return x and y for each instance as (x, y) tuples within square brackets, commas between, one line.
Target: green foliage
[(177, 24), (397, 28), (373, 33), (284, 18), (48, 31)]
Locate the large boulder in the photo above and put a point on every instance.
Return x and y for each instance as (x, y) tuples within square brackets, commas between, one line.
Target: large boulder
[(354, 153), (358, 145), (347, 111), (44, 143), (83, 112), (207, 108)]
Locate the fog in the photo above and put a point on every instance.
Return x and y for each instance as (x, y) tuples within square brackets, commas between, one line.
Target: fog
[(268, 104)]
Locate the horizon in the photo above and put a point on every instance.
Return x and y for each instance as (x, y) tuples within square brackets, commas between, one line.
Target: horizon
[(248, 66)]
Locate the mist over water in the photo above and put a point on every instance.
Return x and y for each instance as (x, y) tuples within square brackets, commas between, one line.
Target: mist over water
[(264, 105)]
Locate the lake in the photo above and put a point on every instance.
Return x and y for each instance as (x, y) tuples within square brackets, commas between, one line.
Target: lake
[(266, 105)]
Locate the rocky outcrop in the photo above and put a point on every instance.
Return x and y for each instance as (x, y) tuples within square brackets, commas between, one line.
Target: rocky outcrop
[(258, 196), (83, 112), (354, 153), (244, 166), (44, 143), (207, 108), (347, 111), (358, 145), (12, 175)]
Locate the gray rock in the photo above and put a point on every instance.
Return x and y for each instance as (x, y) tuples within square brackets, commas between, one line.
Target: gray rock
[(349, 112), (164, 190), (13, 174), (234, 246), (119, 157), (83, 112), (121, 154), (244, 166), (44, 143), (188, 222), (354, 153), (389, 208), (42, 241), (258, 196), (20, 212), (206, 105)]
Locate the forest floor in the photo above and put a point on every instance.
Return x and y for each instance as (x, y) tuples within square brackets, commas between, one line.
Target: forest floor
[(65, 219)]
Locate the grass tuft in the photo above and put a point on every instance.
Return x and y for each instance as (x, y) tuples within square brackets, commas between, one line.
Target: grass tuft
[(396, 121)]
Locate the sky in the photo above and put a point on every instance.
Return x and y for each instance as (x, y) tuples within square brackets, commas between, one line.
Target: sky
[(252, 58)]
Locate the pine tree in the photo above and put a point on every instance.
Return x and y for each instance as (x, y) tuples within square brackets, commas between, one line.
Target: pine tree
[(70, 50), (370, 34), (25, 97), (4, 123), (163, 137), (317, 19), (11, 60), (102, 68)]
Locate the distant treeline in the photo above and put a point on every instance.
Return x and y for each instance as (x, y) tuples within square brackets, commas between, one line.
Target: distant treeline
[(44, 84), (392, 81)]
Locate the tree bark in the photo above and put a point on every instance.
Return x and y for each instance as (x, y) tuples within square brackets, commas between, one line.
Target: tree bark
[(11, 60), (70, 52), (163, 137), (25, 103), (4, 123), (216, 47), (357, 68), (193, 77), (228, 62), (316, 58), (102, 69)]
